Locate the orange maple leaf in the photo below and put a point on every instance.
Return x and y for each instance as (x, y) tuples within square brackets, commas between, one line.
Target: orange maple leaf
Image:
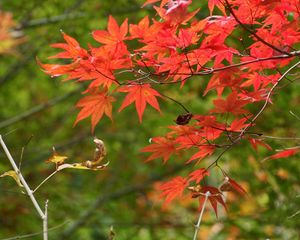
[(283, 154), (161, 147), (141, 94), (95, 105), (173, 188), (231, 105), (115, 33)]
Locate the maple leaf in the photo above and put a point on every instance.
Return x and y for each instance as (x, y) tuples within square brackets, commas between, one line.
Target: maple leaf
[(115, 33), (204, 151), (255, 142), (173, 188), (141, 94), (95, 105), (231, 105), (198, 175), (214, 198), (56, 158), (161, 147), (14, 175), (283, 154), (56, 70), (71, 47), (230, 184), (139, 30)]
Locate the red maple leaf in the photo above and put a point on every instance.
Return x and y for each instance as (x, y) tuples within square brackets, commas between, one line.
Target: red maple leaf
[(173, 188), (161, 147), (71, 47), (141, 94), (115, 33), (255, 142), (203, 151), (229, 185), (95, 105), (231, 105), (283, 154), (214, 198), (198, 175)]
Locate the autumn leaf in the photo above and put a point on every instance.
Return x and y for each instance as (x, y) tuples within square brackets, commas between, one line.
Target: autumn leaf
[(198, 175), (231, 105), (141, 94), (56, 158), (95, 105), (257, 142), (82, 166), (115, 33), (14, 175), (71, 47), (283, 154), (160, 148), (230, 184), (214, 198), (203, 151), (173, 188)]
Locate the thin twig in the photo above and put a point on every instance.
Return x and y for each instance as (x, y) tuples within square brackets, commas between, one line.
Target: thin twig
[(45, 222), (197, 226), (45, 180), (23, 181), (35, 234)]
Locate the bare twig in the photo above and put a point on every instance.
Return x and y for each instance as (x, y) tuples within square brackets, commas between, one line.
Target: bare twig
[(35, 234), (27, 188), (197, 226)]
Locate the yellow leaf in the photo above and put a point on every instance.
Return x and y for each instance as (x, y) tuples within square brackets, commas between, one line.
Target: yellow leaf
[(82, 166), (56, 158), (14, 175)]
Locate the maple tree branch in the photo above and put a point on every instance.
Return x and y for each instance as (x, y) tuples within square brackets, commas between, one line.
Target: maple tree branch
[(213, 70), (251, 31), (197, 226), (269, 94), (45, 180), (43, 215), (243, 132)]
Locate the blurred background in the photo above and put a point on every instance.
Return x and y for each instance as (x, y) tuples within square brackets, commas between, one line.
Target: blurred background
[(37, 112)]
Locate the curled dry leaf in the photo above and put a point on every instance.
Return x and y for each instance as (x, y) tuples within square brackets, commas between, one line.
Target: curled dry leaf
[(100, 153), (14, 175), (184, 119), (82, 166)]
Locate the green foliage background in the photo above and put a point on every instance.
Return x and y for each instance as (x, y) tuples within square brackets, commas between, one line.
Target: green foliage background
[(119, 196)]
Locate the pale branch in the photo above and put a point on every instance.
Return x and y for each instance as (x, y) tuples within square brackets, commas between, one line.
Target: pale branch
[(45, 222), (197, 226), (38, 109), (29, 192)]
